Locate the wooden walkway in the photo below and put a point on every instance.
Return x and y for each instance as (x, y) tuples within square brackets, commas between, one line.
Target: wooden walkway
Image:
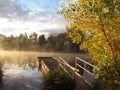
[(53, 63), (50, 62)]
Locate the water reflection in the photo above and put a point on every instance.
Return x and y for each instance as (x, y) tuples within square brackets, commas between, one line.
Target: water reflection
[(1, 73), (20, 73), (23, 63)]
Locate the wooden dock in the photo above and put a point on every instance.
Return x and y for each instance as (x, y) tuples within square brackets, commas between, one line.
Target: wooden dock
[(50, 63), (47, 64)]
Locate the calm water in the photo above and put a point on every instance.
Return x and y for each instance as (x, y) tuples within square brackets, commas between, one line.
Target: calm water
[(21, 74)]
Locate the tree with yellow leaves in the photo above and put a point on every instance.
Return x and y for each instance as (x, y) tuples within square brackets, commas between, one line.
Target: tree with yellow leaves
[(97, 24)]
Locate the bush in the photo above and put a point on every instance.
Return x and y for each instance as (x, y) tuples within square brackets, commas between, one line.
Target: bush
[(96, 85), (58, 80)]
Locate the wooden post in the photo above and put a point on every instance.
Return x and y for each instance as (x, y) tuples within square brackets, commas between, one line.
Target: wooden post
[(75, 68), (84, 70)]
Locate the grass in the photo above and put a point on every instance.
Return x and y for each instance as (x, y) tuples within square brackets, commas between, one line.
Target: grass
[(58, 80)]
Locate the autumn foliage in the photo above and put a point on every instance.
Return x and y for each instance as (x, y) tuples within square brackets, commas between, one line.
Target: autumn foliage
[(96, 25)]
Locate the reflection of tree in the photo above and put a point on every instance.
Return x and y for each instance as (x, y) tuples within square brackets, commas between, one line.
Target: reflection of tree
[(23, 61)]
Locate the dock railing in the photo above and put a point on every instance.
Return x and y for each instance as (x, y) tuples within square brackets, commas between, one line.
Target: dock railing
[(64, 66), (82, 69), (87, 70)]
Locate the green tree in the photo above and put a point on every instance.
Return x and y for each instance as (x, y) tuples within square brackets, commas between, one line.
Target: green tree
[(33, 37), (42, 42), (8, 42), (51, 43), (60, 42), (2, 37), (23, 42), (64, 44), (99, 22), (33, 41)]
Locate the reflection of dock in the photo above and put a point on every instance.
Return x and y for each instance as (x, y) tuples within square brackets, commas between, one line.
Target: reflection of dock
[(47, 64)]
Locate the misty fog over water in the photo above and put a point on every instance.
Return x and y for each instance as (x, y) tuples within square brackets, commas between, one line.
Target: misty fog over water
[(20, 71), (20, 68)]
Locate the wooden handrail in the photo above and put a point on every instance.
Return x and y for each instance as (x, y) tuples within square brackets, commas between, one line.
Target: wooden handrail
[(86, 70), (73, 68), (63, 62), (87, 63)]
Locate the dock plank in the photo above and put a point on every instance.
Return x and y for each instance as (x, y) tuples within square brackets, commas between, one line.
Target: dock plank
[(50, 62)]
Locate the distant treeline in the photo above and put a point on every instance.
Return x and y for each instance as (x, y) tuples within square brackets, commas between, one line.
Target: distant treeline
[(34, 42)]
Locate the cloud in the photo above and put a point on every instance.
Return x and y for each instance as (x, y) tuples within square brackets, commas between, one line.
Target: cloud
[(20, 16), (9, 9), (52, 30), (66, 2)]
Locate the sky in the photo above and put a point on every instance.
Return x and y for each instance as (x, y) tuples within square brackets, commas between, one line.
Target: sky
[(20, 16)]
